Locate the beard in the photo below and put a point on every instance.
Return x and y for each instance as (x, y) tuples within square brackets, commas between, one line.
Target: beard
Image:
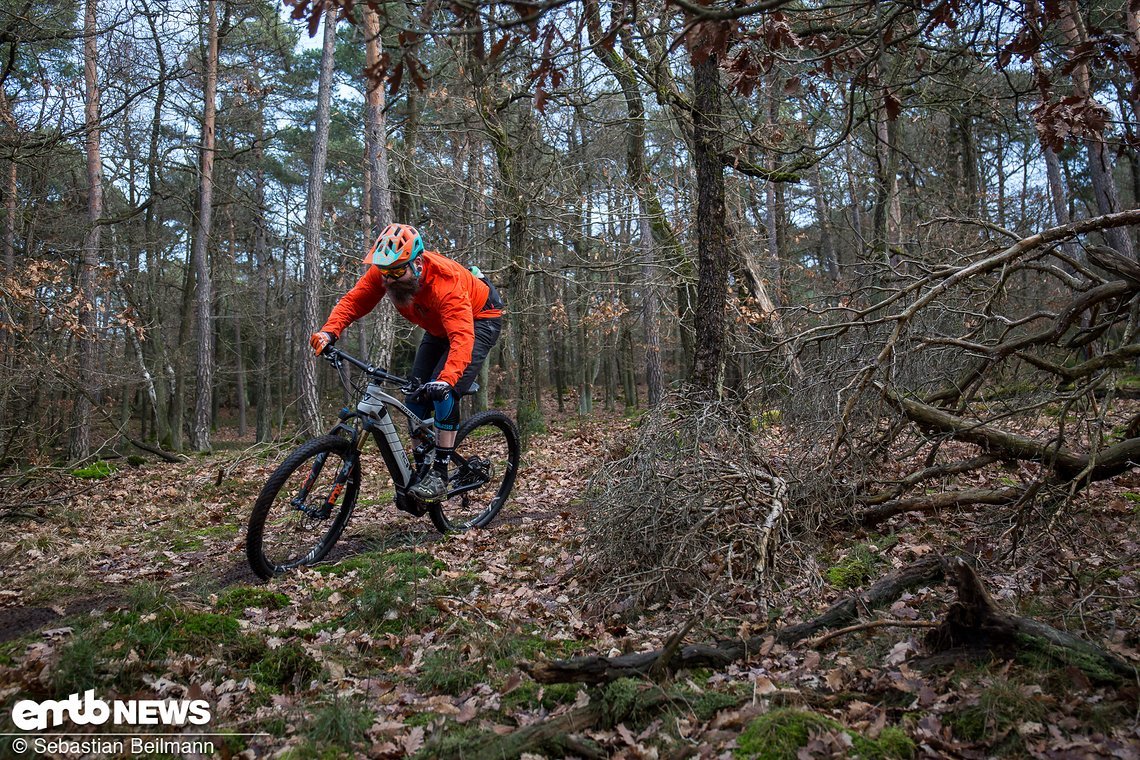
[(402, 292)]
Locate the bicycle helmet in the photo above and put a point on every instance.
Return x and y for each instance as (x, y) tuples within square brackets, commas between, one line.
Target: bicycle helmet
[(397, 246)]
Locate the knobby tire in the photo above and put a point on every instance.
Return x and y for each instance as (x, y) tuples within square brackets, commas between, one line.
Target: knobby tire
[(274, 518), (493, 436)]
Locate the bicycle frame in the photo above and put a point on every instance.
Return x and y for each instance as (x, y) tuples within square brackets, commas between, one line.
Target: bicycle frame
[(373, 416)]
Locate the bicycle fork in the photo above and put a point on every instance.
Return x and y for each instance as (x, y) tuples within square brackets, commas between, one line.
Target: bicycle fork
[(329, 502)]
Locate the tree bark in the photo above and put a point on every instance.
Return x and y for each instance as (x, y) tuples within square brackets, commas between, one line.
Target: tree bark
[(80, 444), (311, 287), (712, 238), (204, 299), (378, 180)]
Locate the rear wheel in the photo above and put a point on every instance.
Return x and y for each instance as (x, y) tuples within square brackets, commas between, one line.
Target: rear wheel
[(482, 473), (304, 506)]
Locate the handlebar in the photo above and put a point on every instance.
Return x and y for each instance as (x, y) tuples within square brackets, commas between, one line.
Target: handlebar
[(335, 356)]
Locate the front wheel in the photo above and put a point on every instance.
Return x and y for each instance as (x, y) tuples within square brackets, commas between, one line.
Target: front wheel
[(303, 507), (482, 473)]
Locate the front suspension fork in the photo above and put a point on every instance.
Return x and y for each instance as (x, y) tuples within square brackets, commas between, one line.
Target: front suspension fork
[(329, 503)]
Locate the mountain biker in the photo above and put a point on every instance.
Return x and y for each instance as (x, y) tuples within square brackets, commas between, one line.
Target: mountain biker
[(461, 315)]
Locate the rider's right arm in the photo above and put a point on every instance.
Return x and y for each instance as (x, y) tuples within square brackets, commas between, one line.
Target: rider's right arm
[(354, 304)]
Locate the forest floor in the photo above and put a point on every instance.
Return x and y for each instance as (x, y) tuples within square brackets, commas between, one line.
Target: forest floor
[(406, 643)]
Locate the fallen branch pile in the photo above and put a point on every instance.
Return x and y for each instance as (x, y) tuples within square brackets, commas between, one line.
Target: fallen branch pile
[(1018, 352), (692, 508)]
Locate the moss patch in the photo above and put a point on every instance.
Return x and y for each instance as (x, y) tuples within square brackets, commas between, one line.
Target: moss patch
[(531, 694), (244, 597), (779, 735), (854, 570), (706, 705), (170, 630), (94, 471)]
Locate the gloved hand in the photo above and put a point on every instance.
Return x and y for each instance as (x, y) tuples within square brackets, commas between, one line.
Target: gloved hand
[(320, 341), (436, 390)]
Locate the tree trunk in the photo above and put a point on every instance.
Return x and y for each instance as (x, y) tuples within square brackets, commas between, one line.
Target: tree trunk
[(886, 219), (712, 283), (829, 261), (204, 298), (80, 444), (856, 197), (379, 182), (156, 348), (239, 347), (263, 425), (643, 187), (10, 208), (311, 287)]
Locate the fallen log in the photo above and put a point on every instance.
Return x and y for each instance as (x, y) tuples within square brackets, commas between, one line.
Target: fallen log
[(596, 669), (973, 623)]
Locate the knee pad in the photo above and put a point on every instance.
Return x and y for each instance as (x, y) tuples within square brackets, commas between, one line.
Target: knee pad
[(447, 413)]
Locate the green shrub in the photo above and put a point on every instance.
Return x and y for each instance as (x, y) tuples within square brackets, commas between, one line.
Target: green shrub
[(999, 707), (450, 671), (78, 666), (341, 724)]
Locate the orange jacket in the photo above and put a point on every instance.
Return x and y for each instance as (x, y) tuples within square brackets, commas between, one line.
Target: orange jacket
[(449, 301)]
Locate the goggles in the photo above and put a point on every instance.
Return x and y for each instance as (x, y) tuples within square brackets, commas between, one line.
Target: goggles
[(394, 273)]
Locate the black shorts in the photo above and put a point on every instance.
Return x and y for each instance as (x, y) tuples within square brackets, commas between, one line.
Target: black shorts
[(433, 351)]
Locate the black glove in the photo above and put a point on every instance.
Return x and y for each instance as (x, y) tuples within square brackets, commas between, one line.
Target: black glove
[(436, 390)]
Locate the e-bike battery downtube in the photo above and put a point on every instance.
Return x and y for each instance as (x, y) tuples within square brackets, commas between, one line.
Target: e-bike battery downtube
[(391, 448)]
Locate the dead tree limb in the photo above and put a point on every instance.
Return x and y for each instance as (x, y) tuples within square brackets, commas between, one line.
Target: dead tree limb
[(558, 732), (598, 670), (166, 456), (870, 625), (934, 502), (1108, 462)]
